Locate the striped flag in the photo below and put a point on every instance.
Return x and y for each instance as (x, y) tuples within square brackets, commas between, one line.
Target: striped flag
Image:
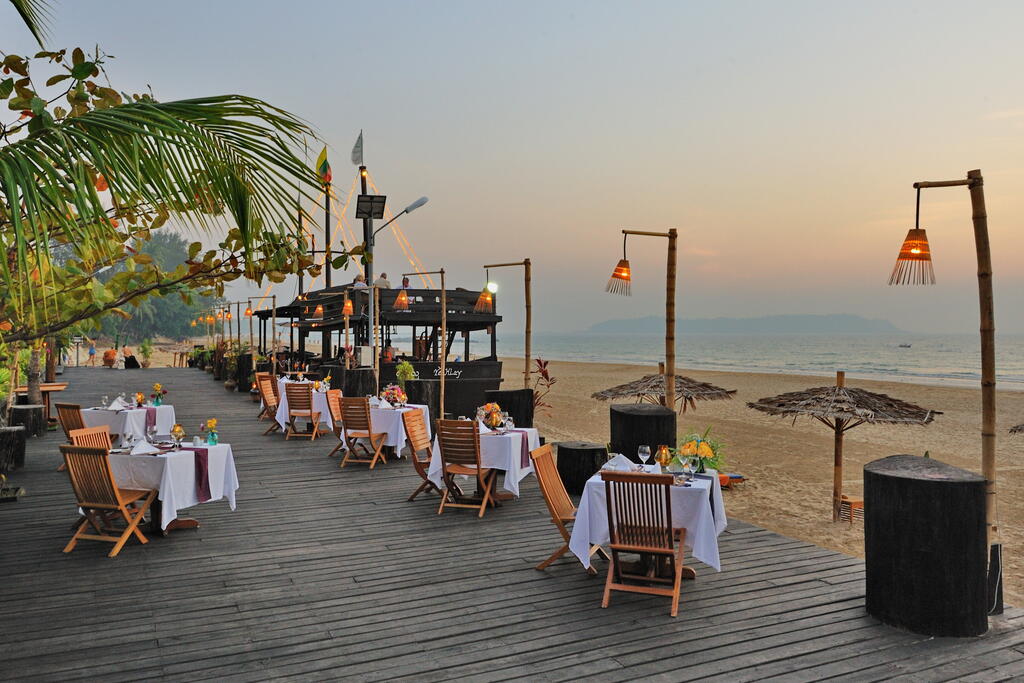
[(323, 168)]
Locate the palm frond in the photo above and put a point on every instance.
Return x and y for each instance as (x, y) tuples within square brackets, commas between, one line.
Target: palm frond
[(36, 15)]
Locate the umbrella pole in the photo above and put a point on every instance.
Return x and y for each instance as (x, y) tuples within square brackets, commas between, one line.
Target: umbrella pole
[(837, 465)]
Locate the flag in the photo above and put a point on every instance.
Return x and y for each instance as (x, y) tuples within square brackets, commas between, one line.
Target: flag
[(357, 150), (323, 168)]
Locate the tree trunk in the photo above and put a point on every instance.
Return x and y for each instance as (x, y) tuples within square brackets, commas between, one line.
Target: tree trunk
[(52, 354), (35, 394)]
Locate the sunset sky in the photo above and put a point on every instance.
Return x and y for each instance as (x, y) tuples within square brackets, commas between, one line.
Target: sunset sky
[(780, 138)]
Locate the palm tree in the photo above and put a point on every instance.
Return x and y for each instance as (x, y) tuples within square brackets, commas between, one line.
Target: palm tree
[(97, 175)]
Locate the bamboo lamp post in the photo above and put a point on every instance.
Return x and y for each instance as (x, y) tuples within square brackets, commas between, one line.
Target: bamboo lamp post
[(527, 277), (443, 353), (252, 348), (914, 266), (619, 283), (346, 311)]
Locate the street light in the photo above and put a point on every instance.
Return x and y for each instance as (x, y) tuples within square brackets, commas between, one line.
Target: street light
[(914, 266), (619, 283)]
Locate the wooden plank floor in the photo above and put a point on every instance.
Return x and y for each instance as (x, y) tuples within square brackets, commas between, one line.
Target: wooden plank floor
[(324, 573)]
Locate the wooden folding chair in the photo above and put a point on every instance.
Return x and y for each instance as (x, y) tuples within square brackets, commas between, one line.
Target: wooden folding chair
[(91, 437), (419, 442), (560, 506), (99, 496), (640, 522), (460, 455), (265, 385), (334, 406), (356, 424), (70, 417), (300, 404)]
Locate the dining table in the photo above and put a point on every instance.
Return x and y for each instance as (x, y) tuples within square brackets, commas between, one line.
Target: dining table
[(183, 477), (46, 389), (131, 420), (319, 403), (697, 506), (508, 451)]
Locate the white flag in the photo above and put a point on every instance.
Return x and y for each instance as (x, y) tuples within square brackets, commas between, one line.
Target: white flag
[(357, 150)]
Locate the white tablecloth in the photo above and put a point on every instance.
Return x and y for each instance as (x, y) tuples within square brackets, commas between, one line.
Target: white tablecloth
[(699, 508), (131, 421), (174, 476), (499, 452), (319, 404)]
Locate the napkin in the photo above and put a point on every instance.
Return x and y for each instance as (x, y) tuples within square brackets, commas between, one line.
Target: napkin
[(484, 429), (383, 404), (117, 404), (144, 448), (374, 402), (619, 463)]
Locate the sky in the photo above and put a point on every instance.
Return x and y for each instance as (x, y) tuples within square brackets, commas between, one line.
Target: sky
[(781, 139)]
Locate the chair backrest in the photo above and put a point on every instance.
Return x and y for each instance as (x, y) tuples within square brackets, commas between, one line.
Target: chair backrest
[(334, 405), (551, 486), (459, 441), (70, 417), (639, 510), (91, 437), (266, 388), (416, 431), (275, 388), (300, 396), (91, 477), (355, 414)]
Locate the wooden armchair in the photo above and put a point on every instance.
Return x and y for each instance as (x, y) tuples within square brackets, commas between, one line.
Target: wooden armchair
[(640, 521), (334, 406), (92, 437), (99, 497), (560, 506), (419, 442), (300, 404), (70, 417), (265, 385), (356, 424), (460, 454)]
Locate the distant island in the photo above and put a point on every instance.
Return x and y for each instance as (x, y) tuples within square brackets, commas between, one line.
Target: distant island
[(769, 324)]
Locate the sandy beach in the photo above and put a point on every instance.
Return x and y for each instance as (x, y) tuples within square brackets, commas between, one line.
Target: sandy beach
[(789, 466)]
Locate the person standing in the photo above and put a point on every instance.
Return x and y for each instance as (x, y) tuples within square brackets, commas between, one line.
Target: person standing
[(92, 353)]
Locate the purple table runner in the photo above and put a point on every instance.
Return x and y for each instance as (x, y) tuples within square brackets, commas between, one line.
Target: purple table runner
[(202, 472), (525, 447), (150, 416)]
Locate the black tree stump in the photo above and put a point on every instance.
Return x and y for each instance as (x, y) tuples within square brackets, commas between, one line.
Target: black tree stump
[(516, 402), (32, 417), (641, 424), (12, 448), (577, 462), (925, 547)]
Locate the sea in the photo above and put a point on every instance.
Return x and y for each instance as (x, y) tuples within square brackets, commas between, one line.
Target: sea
[(953, 359)]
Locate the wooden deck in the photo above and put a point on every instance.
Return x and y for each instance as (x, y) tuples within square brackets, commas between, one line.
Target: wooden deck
[(328, 574)]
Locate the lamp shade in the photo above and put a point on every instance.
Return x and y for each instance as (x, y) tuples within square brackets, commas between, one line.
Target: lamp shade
[(228, 315), (485, 302), (220, 314), (347, 308), (193, 323), (248, 311), (318, 312), (402, 301), (209, 320), (619, 282), (914, 264)]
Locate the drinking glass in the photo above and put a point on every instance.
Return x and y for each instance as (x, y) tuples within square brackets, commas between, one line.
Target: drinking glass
[(151, 434), (504, 421), (463, 417), (480, 414), (645, 453), (105, 401), (510, 423)]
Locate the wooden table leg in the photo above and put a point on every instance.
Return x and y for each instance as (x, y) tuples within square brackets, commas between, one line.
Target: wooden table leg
[(156, 520)]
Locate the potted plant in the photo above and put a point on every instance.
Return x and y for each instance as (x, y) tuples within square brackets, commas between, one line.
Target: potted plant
[(230, 368), (146, 349), (254, 393), (404, 372)]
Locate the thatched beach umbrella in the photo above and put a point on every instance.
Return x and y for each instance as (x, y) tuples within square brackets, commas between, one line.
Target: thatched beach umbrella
[(651, 389), (842, 408)]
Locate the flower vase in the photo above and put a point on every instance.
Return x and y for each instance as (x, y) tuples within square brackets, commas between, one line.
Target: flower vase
[(211, 438), (157, 401)]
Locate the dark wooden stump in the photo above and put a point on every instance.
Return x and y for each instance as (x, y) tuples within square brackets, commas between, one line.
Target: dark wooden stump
[(517, 402), (924, 546), (12, 448), (641, 424), (577, 462), (32, 417)]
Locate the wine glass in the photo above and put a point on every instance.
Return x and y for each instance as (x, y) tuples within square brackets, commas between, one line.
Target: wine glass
[(105, 401), (151, 433), (480, 414), (510, 423), (504, 420), (644, 453)]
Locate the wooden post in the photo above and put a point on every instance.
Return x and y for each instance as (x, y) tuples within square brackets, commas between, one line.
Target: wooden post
[(670, 324), (347, 360), (988, 349), (529, 321), (375, 297), (327, 244), (273, 337), (444, 341), (837, 463)]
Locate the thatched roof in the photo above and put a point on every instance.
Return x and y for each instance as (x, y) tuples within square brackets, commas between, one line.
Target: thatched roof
[(845, 403), (651, 388), (1019, 429)]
